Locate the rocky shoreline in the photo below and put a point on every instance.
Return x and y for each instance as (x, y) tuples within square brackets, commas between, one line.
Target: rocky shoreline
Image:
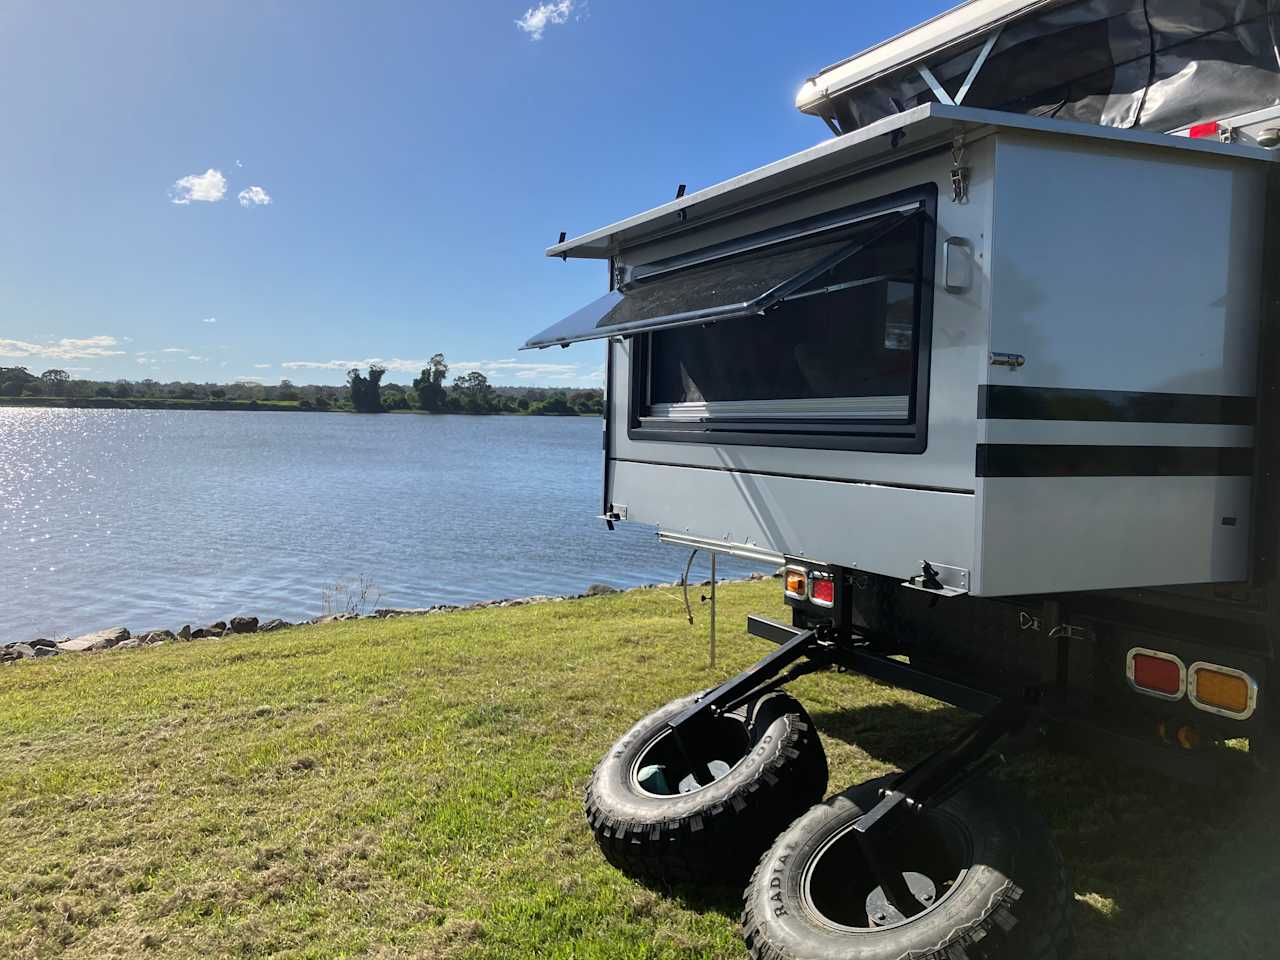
[(120, 638)]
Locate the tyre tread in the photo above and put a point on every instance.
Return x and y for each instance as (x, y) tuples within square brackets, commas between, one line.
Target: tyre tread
[(986, 937), (688, 848)]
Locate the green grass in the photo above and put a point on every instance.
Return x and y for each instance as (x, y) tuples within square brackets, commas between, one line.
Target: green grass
[(411, 789)]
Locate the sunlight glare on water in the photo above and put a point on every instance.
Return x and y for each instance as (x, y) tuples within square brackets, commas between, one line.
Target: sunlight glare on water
[(159, 518)]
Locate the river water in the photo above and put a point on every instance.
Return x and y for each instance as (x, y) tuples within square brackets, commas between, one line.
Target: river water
[(158, 518)]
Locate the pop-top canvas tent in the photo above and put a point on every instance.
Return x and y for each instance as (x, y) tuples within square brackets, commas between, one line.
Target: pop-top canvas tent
[(1160, 65)]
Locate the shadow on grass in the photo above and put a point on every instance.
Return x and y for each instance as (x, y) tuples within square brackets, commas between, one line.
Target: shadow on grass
[(1160, 868), (724, 899)]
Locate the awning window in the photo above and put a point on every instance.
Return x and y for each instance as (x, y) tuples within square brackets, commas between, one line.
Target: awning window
[(725, 288)]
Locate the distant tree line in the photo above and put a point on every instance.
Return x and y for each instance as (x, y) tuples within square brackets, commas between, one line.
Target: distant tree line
[(430, 392), (470, 393)]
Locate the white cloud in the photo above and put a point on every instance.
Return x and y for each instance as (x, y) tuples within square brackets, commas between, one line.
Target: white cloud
[(176, 350), (537, 19), (494, 369), (65, 349), (251, 380), (197, 359), (254, 197), (262, 366), (239, 164), (209, 320), (519, 370), (207, 187)]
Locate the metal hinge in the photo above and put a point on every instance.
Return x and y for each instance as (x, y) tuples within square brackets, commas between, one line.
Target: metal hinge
[(1014, 360), (940, 579), (959, 172)]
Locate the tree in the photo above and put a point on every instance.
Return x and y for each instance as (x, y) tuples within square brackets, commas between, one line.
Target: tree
[(12, 388), (555, 405), (430, 385), (587, 402), (34, 389), (394, 397), (55, 382), (473, 393), (19, 374), (286, 391), (366, 392)]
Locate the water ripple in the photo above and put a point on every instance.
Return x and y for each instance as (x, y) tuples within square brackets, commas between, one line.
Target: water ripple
[(156, 518)]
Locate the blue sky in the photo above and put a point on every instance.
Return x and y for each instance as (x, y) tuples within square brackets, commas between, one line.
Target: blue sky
[(365, 181)]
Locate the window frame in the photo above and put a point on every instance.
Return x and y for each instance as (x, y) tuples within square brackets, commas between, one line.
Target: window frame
[(816, 431)]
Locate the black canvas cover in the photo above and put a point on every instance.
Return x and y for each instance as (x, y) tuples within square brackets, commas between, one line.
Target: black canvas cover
[(1157, 65)]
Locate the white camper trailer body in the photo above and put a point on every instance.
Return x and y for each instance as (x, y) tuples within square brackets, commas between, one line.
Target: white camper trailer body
[(1001, 390), (1119, 450)]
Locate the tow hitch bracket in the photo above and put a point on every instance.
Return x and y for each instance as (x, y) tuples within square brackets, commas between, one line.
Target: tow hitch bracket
[(691, 725), (929, 782)]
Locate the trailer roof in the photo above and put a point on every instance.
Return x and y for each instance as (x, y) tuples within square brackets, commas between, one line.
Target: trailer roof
[(964, 24), (928, 126)]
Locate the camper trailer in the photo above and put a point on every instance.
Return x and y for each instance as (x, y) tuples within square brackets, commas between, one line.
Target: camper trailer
[(991, 374)]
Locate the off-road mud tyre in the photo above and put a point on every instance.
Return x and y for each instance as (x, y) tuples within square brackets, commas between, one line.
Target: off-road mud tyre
[(716, 833), (1011, 901)]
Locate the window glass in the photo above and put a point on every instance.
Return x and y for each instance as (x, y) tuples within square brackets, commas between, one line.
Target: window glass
[(850, 333)]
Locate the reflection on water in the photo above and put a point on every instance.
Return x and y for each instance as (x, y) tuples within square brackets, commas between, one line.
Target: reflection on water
[(157, 518)]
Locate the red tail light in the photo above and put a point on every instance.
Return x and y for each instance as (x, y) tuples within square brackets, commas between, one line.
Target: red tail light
[(1156, 674), (823, 591), (1204, 131)]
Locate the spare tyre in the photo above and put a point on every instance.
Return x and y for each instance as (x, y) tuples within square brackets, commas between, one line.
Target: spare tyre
[(981, 862), (656, 818)]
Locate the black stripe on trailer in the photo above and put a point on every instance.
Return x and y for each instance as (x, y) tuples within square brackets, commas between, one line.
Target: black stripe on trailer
[(1081, 460), (1006, 402)]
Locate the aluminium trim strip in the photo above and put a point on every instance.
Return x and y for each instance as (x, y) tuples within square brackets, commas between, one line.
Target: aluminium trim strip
[(857, 482), (874, 408)]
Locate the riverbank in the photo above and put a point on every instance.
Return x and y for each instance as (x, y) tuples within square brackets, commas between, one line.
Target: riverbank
[(279, 406), (122, 638), (156, 403), (410, 788)]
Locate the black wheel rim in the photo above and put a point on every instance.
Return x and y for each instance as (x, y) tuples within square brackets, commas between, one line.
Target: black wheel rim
[(840, 891), (730, 744)]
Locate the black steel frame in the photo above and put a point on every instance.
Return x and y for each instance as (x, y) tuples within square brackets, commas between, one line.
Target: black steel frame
[(806, 651), (1037, 711)]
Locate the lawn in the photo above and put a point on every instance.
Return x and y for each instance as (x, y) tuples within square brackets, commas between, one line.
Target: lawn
[(411, 789)]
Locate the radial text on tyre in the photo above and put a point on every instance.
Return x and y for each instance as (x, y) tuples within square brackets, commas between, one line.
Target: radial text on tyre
[(981, 862)]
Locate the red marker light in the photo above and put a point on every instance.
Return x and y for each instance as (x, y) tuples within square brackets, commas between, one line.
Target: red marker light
[(1156, 674), (1203, 131), (823, 591)]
